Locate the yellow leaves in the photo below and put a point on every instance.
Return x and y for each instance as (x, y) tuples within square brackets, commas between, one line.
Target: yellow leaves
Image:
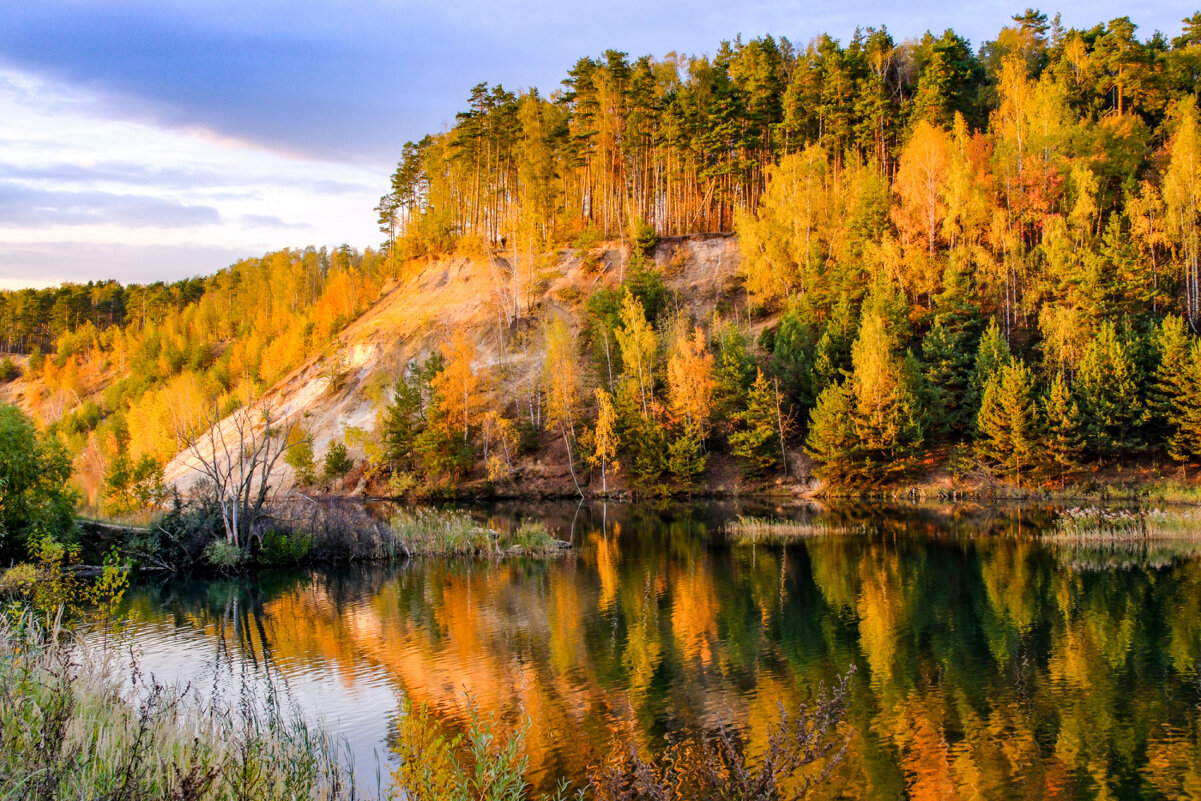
[(783, 238), (166, 414), (638, 345), (690, 381), (921, 185), (457, 387), (561, 374), (604, 437)]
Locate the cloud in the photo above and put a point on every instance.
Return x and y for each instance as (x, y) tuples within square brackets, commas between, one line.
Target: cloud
[(76, 179), (41, 264), (23, 206), (270, 221)]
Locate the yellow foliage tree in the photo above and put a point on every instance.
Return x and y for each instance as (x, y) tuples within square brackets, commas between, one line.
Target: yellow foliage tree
[(458, 387), (636, 339), (604, 438), (921, 185), (690, 381)]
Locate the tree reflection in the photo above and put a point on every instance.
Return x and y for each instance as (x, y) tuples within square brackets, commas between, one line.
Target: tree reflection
[(989, 665)]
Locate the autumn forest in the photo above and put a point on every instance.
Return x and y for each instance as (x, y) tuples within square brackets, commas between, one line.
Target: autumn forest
[(981, 261)]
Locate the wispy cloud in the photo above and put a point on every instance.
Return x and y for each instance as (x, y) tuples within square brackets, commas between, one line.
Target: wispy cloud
[(72, 175), (24, 206)]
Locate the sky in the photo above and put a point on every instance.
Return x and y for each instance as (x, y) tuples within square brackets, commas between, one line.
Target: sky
[(154, 139)]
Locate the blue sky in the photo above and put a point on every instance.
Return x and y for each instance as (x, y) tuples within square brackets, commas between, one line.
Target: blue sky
[(141, 140)]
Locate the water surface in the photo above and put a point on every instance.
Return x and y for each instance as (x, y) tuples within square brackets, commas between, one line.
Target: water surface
[(989, 663)]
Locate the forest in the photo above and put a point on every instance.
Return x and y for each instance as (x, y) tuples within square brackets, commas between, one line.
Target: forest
[(980, 260)]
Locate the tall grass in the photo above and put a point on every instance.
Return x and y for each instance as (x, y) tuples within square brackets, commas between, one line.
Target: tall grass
[(750, 530), (1096, 538), (1095, 524), (71, 728), (455, 533)]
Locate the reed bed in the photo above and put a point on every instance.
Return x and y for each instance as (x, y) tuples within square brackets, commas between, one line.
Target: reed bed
[(1098, 525), (438, 532), (772, 530)]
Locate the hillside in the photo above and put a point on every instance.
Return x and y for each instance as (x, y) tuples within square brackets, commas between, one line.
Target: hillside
[(344, 387)]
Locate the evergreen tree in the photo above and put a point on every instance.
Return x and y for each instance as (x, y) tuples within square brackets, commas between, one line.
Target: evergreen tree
[(756, 438), (1062, 442), (1109, 386), (402, 422), (992, 353), (1172, 384), (871, 427), (792, 356), (1186, 411), (733, 373), (831, 439), (686, 458), (337, 463), (1008, 430), (947, 354)]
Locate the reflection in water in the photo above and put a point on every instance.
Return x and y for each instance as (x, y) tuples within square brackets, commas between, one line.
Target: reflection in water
[(989, 665)]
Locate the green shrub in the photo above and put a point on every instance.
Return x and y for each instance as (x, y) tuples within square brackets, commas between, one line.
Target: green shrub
[(337, 462), (283, 548), (8, 370), (224, 556)]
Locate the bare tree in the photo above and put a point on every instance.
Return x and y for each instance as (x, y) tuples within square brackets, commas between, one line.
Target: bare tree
[(237, 456)]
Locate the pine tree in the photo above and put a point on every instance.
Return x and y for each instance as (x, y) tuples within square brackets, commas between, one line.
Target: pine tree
[(947, 354), (1172, 384), (756, 437), (1186, 443), (686, 458), (1109, 387), (869, 428), (401, 423), (337, 462), (1008, 427), (734, 372), (1062, 442), (831, 439), (992, 353), (792, 355)]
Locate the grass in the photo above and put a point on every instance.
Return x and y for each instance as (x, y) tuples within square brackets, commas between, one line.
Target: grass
[(748, 530), (72, 727), (455, 533), (1096, 538), (1094, 524)]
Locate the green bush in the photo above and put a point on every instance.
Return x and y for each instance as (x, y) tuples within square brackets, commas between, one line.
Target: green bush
[(337, 462), (8, 370), (224, 556), (283, 548)]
